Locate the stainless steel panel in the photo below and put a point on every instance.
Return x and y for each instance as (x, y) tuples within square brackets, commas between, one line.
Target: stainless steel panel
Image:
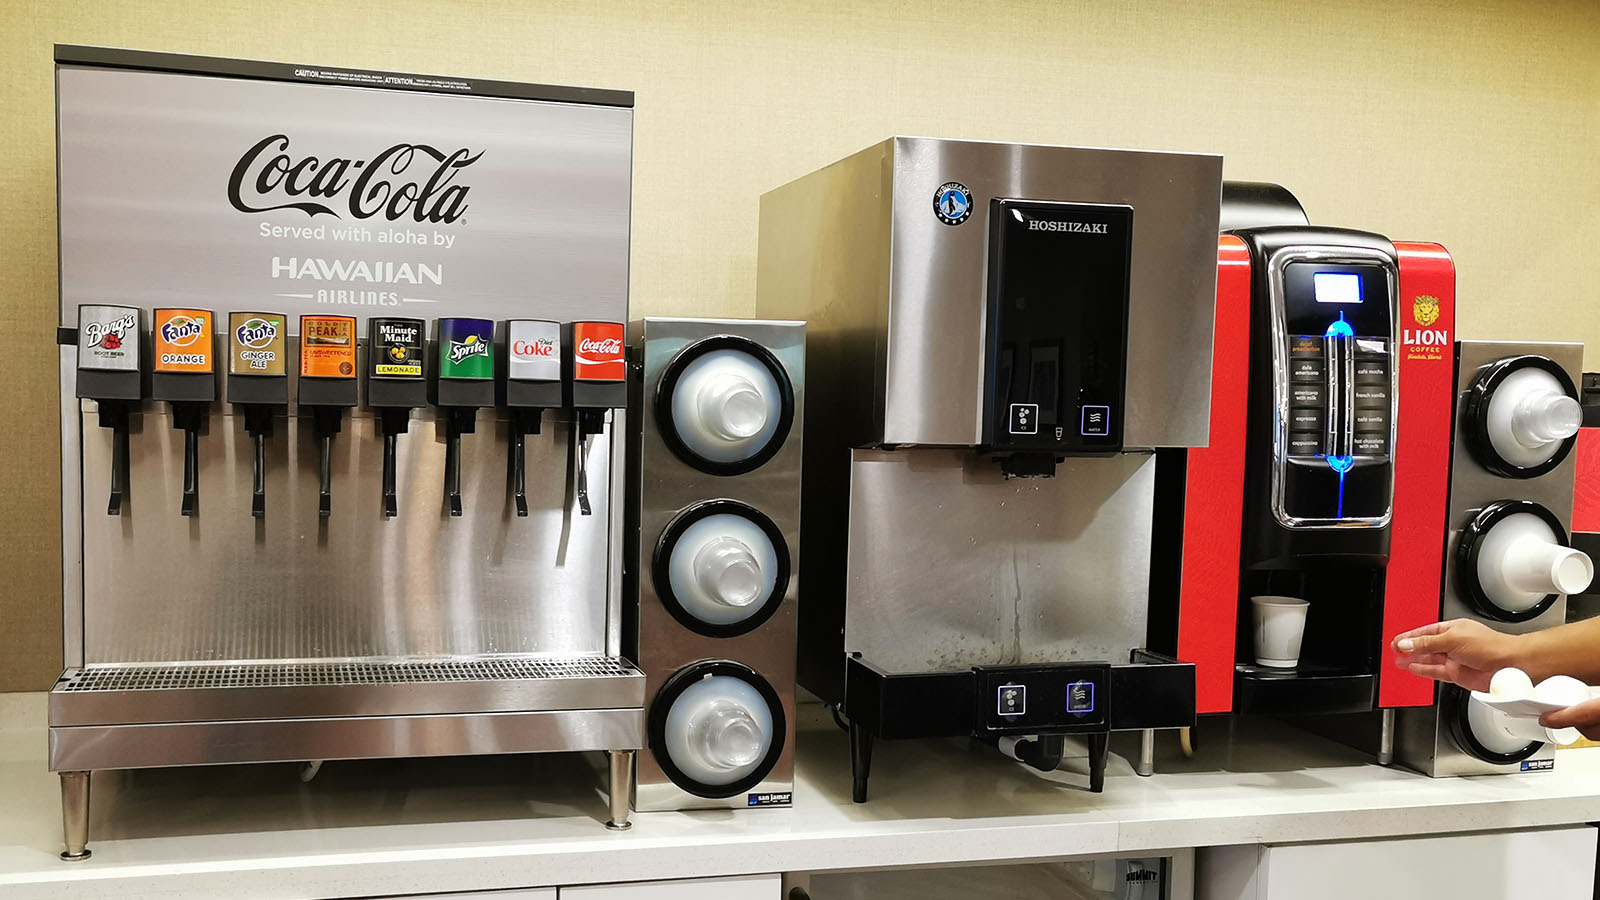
[(293, 740), (224, 586), (129, 694), (72, 509), (1423, 743), (935, 331), (951, 565), (665, 486)]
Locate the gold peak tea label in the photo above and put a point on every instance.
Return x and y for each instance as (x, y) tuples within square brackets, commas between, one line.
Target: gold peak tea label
[(327, 347), (466, 348), (395, 348), (257, 343), (183, 340)]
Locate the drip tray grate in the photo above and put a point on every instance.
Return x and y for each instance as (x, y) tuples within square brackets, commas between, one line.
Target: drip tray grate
[(200, 676)]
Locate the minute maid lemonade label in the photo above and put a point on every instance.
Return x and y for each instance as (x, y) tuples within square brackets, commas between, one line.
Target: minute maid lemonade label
[(183, 340), (256, 343), (466, 348), (327, 347), (396, 348)]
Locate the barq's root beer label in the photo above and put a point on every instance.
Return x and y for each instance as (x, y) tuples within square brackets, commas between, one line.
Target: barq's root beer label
[(597, 352), (183, 340), (396, 348), (258, 343), (466, 348), (108, 338), (327, 347)]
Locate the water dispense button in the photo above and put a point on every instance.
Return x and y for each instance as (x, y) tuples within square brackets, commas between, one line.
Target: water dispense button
[(1096, 421), (1024, 418), (1080, 697), (1011, 699)]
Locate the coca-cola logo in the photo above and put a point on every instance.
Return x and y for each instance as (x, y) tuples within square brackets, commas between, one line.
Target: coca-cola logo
[(543, 348), (602, 347), (414, 181)]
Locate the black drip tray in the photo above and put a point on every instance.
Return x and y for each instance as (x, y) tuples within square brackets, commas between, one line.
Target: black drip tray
[(1309, 689)]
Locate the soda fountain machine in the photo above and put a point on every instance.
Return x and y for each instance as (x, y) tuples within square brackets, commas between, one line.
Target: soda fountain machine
[(394, 629), (1327, 468), (998, 337), (1509, 560)]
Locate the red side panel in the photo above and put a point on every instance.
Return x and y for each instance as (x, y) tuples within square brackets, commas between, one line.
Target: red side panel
[(1586, 491), (1213, 500), (1415, 574)]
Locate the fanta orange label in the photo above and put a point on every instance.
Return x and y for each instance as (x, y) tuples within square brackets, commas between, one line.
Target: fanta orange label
[(183, 340)]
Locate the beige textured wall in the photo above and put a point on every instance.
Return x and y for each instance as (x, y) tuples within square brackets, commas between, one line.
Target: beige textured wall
[(1475, 124)]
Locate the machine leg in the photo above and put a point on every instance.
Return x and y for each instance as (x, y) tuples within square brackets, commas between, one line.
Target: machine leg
[(75, 814), (621, 789), (1147, 752), (860, 761), (1099, 749), (1386, 739)]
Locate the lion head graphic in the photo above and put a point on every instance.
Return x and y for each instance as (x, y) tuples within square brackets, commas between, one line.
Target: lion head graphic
[(1425, 309)]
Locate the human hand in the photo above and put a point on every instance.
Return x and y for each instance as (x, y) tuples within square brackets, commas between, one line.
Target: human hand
[(1460, 651), (1583, 716)]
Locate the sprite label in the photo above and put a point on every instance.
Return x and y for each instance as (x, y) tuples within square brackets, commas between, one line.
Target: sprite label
[(466, 348)]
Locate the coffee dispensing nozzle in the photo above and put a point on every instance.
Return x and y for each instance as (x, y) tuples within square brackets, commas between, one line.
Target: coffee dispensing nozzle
[(595, 371), (463, 382), (395, 386), (258, 383), (185, 376), (532, 385), (109, 374), (327, 388)]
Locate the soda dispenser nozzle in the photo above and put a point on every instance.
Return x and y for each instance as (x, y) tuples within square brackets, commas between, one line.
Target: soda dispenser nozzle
[(109, 373), (395, 386), (532, 385), (327, 389), (258, 383), (596, 376), (463, 382), (184, 376)]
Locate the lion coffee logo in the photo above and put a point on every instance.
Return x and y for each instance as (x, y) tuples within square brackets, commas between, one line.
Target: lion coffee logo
[(1425, 310), (597, 351), (183, 340), (405, 181)]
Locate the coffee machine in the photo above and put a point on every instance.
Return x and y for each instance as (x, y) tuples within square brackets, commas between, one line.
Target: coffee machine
[(1328, 459), (1509, 559), (998, 336)]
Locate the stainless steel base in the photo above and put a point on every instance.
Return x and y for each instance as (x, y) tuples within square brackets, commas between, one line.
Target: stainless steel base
[(622, 782), (75, 815)]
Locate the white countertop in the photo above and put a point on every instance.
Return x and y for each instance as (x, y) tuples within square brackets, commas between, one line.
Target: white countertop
[(419, 826)]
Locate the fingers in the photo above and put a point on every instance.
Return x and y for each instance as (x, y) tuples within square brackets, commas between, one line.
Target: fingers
[(1436, 672), (1581, 716), (1435, 638), (1435, 628)]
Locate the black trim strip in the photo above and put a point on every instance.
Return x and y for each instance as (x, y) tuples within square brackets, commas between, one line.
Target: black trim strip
[(680, 682), (115, 57)]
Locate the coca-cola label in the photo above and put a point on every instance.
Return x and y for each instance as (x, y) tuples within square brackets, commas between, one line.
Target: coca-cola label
[(416, 182), (108, 338), (533, 350), (597, 352)]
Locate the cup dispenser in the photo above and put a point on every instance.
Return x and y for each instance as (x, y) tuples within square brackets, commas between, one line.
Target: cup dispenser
[(109, 374), (395, 386), (532, 385), (184, 376), (595, 371), (463, 382), (327, 389), (258, 383)]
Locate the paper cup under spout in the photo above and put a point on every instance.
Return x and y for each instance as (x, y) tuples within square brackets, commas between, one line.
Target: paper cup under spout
[(1280, 625)]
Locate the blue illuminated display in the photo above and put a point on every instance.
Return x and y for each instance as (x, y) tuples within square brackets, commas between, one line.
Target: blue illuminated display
[(1337, 287)]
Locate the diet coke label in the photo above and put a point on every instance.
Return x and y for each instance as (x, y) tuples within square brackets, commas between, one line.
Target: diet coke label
[(597, 351), (533, 350)]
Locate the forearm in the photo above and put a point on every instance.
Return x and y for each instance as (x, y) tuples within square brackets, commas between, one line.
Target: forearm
[(1572, 649)]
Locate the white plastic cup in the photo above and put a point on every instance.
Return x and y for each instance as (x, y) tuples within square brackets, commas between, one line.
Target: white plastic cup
[(728, 572), (1280, 626), (731, 407), (1541, 567)]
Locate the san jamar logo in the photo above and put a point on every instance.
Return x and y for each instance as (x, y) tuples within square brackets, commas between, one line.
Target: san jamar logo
[(1425, 309), (405, 181)]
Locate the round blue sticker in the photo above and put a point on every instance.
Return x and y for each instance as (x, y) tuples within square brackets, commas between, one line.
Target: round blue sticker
[(952, 203)]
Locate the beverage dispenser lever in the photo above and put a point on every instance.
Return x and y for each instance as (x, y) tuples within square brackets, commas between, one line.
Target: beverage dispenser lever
[(109, 373), (327, 389), (395, 386), (258, 382), (463, 382), (595, 369), (184, 376), (532, 385)]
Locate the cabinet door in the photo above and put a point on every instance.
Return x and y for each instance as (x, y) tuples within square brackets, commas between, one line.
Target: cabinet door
[(747, 887)]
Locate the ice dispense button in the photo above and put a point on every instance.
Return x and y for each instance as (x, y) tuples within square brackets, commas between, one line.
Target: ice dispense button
[(1011, 700)]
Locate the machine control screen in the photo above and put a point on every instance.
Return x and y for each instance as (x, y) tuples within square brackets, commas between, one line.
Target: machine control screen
[(1057, 326)]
